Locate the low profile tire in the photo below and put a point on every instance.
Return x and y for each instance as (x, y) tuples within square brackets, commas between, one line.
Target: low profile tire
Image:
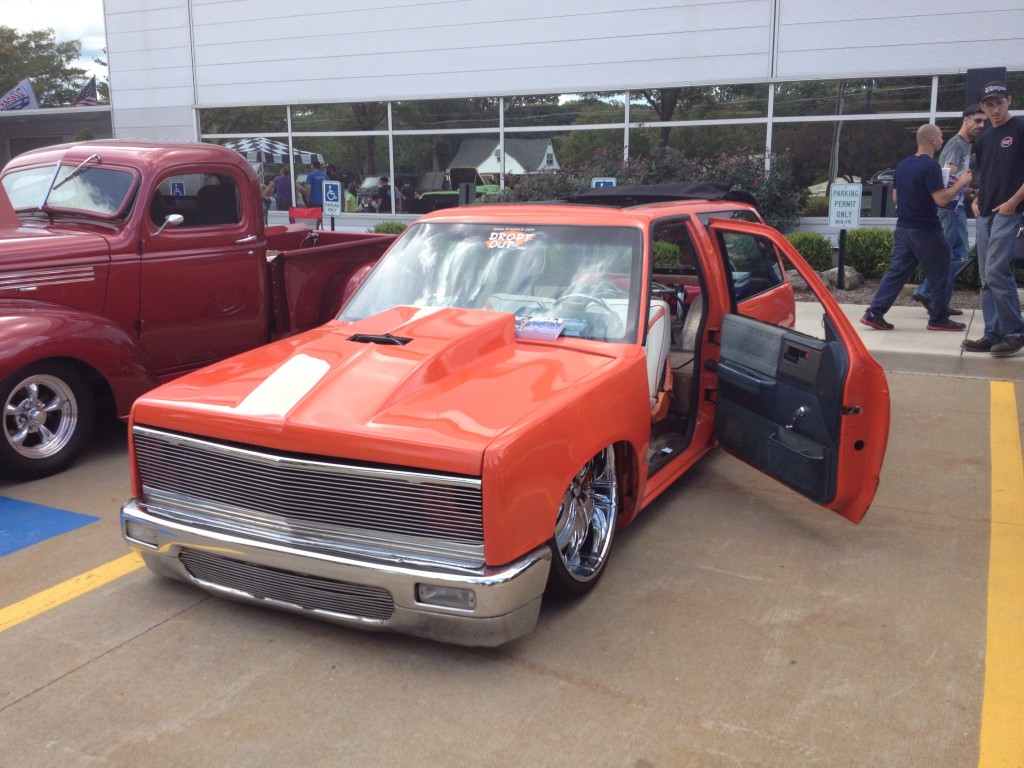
[(585, 527), (48, 415)]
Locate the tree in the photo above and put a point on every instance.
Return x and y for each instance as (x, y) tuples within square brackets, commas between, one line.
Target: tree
[(663, 103), (46, 63)]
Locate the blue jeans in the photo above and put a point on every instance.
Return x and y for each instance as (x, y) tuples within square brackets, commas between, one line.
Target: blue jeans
[(910, 248), (954, 229), (1000, 304)]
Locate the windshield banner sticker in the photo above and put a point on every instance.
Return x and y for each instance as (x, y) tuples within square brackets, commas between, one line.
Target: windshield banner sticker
[(511, 239)]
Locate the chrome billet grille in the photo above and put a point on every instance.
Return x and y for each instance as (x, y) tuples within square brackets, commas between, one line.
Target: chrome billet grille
[(312, 503), (291, 589)]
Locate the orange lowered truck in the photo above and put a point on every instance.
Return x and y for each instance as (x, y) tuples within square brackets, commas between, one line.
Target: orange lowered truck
[(509, 388)]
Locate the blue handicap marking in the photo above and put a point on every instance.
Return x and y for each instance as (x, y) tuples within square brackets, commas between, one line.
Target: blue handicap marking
[(332, 193), (23, 523)]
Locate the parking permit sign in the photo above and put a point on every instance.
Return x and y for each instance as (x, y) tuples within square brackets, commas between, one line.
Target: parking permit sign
[(844, 206), (332, 198)]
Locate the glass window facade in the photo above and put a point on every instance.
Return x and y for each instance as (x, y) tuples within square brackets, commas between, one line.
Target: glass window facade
[(847, 130)]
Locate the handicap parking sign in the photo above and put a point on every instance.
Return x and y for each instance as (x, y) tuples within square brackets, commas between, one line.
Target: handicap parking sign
[(332, 198)]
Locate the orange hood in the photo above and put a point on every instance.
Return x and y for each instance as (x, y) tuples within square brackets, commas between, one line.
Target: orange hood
[(460, 380)]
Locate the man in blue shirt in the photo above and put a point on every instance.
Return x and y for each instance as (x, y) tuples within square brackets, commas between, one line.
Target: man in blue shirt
[(955, 156), (918, 191), (315, 185)]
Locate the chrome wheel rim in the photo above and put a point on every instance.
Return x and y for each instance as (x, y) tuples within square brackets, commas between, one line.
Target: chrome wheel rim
[(586, 517), (40, 416)]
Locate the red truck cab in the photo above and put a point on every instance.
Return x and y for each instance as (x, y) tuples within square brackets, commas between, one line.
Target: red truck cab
[(125, 264)]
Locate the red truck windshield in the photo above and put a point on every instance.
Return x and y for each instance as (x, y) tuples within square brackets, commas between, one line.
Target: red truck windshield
[(98, 190)]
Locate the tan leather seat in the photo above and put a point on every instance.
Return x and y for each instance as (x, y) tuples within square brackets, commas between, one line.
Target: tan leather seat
[(659, 373)]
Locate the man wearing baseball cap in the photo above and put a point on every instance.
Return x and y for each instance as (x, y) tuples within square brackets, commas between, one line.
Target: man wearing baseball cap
[(998, 207), (382, 199)]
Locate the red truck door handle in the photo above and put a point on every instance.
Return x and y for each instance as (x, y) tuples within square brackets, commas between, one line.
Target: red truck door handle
[(247, 239)]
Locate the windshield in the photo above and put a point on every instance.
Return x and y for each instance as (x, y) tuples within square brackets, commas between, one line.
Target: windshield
[(92, 189), (586, 279)]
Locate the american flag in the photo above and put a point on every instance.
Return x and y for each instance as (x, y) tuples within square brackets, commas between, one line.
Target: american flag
[(87, 96)]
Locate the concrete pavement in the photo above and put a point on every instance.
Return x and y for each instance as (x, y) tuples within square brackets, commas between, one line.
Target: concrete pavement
[(911, 348)]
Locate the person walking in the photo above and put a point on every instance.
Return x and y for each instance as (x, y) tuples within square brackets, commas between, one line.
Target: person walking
[(997, 208), (956, 156), (918, 191)]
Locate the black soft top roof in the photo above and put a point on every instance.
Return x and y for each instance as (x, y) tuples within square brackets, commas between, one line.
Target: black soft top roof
[(640, 194)]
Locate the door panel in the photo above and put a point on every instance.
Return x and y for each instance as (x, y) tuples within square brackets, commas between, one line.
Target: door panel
[(778, 408), (812, 413)]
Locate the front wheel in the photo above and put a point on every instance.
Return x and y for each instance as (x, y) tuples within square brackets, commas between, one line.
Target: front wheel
[(585, 527), (48, 413)]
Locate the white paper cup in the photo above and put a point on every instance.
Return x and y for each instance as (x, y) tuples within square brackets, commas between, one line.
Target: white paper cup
[(945, 176)]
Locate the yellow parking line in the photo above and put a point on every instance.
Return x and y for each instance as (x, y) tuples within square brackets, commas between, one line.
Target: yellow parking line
[(1002, 710), (43, 601)]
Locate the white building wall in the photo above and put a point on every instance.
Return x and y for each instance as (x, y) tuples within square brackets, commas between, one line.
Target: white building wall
[(149, 52), (168, 56), (831, 40)]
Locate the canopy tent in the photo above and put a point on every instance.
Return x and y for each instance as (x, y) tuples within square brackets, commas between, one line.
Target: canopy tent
[(270, 152)]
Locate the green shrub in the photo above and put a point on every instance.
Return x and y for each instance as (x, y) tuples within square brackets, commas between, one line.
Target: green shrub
[(666, 254), (816, 206), (388, 228), (815, 248), (869, 251)]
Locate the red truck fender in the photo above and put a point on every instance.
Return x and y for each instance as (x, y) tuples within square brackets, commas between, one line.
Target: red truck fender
[(58, 362), (34, 331), (103, 354)]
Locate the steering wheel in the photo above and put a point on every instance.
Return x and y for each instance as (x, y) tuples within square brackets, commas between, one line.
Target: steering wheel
[(583, 302)]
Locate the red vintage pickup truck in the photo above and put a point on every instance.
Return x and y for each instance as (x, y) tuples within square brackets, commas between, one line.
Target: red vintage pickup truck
[(127, 264)]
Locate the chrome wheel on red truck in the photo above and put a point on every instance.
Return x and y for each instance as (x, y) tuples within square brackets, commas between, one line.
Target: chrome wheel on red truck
[(48, 416), (585, 527)]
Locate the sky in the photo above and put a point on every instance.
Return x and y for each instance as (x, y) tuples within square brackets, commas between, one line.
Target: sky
[(80, 20)]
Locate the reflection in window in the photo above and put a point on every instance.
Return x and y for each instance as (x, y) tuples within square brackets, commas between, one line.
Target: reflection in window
[(698, 141), (711, 102), (445, 114), (566, 109), (753, 263), (591, 129), (83, 188), (229, 120), (865, 146), (202, 200), (853, 97), (586, 276), (357, 116)]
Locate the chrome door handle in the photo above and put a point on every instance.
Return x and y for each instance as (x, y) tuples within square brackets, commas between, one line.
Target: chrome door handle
[(247, 239)]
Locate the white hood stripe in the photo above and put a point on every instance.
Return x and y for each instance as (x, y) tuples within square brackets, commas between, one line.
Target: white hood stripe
[(285, 387)]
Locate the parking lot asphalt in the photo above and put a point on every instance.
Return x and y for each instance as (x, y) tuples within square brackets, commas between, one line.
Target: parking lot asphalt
[(737, 624)]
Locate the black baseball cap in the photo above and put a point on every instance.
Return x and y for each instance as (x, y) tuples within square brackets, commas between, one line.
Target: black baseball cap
[(995, 89), (972, 109)]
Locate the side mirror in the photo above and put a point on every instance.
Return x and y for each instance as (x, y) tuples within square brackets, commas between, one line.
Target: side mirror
[(171, 220)]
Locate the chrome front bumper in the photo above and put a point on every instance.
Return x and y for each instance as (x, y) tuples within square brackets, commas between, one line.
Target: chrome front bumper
[(503, 602)]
